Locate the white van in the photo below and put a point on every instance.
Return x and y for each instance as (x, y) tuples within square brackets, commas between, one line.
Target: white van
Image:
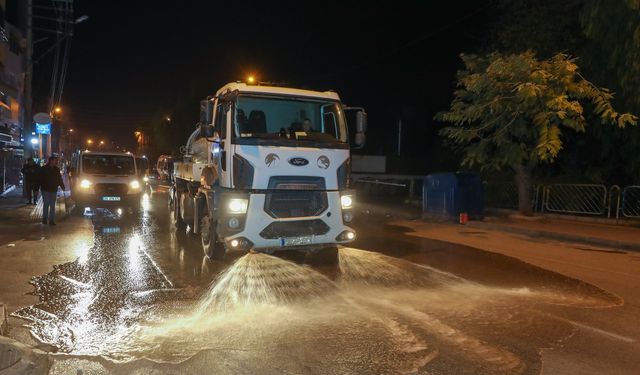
[(105, 180)]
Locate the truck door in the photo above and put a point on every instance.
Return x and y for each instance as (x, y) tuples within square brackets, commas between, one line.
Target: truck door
[(221, 147)]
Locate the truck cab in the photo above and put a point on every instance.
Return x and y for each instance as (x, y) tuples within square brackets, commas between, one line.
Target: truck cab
[(267, 170), (105, 180)]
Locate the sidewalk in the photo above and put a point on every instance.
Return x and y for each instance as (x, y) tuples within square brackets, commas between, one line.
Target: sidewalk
[(21, 220), (594, 234)]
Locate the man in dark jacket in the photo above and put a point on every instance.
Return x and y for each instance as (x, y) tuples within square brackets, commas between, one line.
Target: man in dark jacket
[(30, 176), (50, 179)]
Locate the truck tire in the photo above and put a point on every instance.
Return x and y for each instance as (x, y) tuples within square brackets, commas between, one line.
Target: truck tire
[(186, 211), (174, 206), (212, 248)]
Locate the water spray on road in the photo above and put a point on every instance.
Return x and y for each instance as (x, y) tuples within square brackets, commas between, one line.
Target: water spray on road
[(260, 279), (371, 313)]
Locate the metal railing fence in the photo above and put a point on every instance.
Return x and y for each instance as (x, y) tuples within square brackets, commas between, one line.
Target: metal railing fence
[(630, 206), (574, 199), (585, 199)]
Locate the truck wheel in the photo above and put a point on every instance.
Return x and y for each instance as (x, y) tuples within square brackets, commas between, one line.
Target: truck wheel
[(186, 210), (213, 249), (174, 205)]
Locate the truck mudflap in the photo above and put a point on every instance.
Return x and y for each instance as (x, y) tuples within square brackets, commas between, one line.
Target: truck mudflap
[(262, 232)]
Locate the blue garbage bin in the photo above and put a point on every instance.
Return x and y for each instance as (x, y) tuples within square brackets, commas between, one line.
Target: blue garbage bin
[(449, 194)]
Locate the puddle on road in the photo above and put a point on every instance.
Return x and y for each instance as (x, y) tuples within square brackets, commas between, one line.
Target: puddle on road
[(372, 314)]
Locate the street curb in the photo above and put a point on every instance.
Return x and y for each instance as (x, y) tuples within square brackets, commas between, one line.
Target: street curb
[(592, 241)]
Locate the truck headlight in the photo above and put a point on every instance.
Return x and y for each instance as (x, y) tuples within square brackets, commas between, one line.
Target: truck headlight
[(238, 205), (85, 184), (134, 184), (346, 201)]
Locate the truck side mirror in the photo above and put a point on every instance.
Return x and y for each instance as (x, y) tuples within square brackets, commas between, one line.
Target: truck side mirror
[(206, 111), (358, 139), (361, 122)]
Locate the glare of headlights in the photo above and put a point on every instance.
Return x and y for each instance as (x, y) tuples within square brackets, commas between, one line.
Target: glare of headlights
[(85, 184), (346, 201), (134, 184), (238, 206)]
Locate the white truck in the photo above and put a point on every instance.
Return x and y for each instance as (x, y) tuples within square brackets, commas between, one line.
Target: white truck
[(267, 169)]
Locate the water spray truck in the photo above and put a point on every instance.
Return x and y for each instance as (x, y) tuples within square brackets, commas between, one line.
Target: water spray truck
[(267, 169)]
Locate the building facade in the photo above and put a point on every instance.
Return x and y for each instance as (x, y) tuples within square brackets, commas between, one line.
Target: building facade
[(13, 65)]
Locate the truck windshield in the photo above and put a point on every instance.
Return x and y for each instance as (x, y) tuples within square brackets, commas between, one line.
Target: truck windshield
[(263, 119), (108, 164)]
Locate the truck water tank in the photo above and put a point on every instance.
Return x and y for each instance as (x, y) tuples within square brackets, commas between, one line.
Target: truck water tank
[(197, 147)]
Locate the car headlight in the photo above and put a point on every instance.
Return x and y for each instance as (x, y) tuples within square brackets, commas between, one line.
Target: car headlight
[(85, 184), (134, 184), (238, 205), (346, 201), (145, 179)]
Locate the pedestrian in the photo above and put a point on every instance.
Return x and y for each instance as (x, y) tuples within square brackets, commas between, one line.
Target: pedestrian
[(30, 177), (50, 180)]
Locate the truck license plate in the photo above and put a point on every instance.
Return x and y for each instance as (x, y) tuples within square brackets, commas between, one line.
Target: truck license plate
[(111, 199), (296, 241)]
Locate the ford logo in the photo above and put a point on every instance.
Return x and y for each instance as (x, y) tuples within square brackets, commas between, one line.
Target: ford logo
[(298, 162)]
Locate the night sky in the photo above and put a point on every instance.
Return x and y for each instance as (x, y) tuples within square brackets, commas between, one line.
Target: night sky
[(398, 59)]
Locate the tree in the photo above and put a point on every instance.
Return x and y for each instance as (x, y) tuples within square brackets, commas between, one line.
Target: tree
[(612, 52), (509, 111)]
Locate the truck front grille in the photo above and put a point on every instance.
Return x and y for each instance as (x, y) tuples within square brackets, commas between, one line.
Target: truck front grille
[(295, 197), (111, 189), (280, 229)]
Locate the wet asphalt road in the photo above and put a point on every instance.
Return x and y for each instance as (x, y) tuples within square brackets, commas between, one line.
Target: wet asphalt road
[(393, 304)]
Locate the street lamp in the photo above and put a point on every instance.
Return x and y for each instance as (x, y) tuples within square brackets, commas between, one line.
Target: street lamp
[(168, 118), (57, 110), (89, 141), (101, 143)]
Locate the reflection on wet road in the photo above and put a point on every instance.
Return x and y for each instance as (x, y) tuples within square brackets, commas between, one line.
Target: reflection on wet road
[(144, 292)]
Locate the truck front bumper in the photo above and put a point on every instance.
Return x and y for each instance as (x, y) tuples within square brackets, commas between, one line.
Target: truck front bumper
[(264, 233)]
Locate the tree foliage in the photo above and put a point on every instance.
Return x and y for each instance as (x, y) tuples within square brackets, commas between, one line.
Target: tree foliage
[(511, 110), (612, 51)]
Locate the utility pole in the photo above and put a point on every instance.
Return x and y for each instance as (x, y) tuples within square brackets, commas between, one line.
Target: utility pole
[(28, 77)]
